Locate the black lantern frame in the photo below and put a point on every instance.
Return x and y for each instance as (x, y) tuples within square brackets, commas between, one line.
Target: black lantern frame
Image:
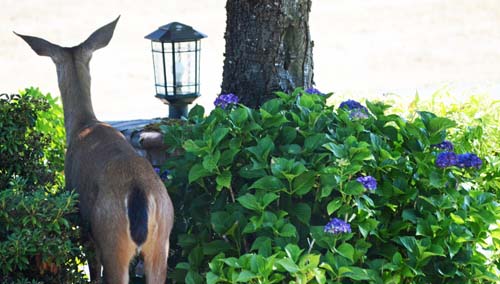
[(176, 51)]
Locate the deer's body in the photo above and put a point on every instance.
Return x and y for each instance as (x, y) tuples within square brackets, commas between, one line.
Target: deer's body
[(123, 204)]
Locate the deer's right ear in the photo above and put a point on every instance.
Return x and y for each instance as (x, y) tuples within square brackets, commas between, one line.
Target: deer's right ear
[(100, 38), (40, 46)]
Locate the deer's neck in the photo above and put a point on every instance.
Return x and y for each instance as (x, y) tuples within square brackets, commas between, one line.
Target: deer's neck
[(74, 84)]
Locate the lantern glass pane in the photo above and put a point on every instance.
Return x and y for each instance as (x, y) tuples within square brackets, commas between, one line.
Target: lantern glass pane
[(185, 68), (158, 65)]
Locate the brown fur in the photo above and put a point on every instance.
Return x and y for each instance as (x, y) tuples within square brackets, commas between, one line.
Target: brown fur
[(102, 166)]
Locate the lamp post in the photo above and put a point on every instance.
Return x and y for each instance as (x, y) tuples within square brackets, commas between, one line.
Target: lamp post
[(176, 61)]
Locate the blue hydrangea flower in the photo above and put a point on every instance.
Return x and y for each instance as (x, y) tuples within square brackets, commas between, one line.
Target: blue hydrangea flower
[(163, 175), (445, 145), (446, 159), (224, 100), (351, 104), (357, 111), (368, 182), (337, 226), (313, 90), (469, 160)]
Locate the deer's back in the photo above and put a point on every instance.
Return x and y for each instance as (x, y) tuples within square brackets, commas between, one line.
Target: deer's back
[(100, 163)]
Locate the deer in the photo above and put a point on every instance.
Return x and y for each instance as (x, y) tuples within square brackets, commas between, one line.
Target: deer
[(124, 206)]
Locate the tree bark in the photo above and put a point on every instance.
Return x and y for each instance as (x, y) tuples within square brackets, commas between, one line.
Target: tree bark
[(268, 48)]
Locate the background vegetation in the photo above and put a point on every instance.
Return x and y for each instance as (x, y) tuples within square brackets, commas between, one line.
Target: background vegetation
[(38, 242)]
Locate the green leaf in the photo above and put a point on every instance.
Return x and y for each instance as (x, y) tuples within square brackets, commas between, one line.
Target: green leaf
[(238, 116), (182, 265), (288, 230), (270, 183), (293, 252), (438, 124), (197, 172), (410, 243), (216, 247), (196, 113), (338, 150), (268, 198), (263, 246), (227, 156), (354, 273), (457, 219), (288, 265), (210, 161), (314, 142), (346, 250), (263, 148), (232, 262), (333, 206), (193, 277), (353, 188), (303, 212), (309, 261), (221, 221), (437, 180), (218, 135), (249, 201), (245, 276), (194, 147), (272, 120), (224, 180), (195, 257), (287, 168), (303, 183), (212, 278), (272, 106)]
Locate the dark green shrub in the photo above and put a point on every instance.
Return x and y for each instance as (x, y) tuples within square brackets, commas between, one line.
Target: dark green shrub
[(254, 189), (37, 240)]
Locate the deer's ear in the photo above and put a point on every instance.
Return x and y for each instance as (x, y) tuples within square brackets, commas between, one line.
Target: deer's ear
[(41, 46), (100, 38)]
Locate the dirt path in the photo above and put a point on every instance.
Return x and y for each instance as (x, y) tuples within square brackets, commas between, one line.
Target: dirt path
[(362, 47)]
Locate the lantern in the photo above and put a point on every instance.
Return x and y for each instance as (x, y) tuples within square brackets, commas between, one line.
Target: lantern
[(176, 61)]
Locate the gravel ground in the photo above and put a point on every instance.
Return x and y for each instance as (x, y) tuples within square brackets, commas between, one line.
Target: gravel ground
[(363, 48)]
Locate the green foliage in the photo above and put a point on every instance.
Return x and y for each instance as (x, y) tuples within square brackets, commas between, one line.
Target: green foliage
[(37, 239), (253, 190)]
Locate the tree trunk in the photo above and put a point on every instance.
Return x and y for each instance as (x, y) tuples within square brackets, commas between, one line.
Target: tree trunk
[(268, 48)]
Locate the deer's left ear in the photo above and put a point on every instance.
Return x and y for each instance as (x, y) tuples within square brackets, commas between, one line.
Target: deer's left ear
[(41, 46), (100, 38)]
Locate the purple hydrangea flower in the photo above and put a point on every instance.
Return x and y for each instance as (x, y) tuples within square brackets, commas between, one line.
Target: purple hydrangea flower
[(445, 145), (337, 226), (313, 90), (446, 159), (368, 182), (469, 160), (224, 100)]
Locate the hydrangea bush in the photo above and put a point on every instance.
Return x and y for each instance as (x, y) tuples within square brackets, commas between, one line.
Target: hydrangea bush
[(302, 192)]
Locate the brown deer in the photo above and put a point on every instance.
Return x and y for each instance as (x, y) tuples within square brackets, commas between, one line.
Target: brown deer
[(123, 204)]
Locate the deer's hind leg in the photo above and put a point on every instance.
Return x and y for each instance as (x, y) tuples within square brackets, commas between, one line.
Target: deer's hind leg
[(155, 255), (116, 260)]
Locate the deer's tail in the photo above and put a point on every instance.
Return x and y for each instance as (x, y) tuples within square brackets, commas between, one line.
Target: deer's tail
[(137, 210)]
